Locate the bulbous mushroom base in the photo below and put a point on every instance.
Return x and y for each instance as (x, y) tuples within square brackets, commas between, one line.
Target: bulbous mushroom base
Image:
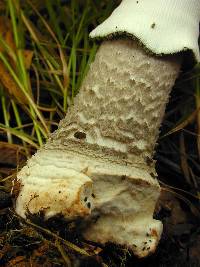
[(140, 234), (115, 201)]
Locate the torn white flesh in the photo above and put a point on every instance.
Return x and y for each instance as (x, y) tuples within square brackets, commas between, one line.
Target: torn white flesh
[(163, 27), (52, 186), (98, 164)]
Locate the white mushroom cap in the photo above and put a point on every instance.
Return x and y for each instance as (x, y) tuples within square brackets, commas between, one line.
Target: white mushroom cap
[(163, 26)]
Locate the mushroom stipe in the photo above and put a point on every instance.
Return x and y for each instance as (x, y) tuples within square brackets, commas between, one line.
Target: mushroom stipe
[(120, 114)]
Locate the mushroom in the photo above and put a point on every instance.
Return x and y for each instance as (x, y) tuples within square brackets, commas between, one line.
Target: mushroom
[(98, 165)]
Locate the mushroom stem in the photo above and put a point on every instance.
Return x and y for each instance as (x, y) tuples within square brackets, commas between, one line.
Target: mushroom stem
[(100, 158)]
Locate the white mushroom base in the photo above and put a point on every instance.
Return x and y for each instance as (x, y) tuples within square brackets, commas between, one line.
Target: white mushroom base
[(116, 201)]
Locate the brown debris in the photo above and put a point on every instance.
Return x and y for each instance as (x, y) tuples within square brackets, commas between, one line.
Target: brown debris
[(5, 77), (19, 261), (11, 154)]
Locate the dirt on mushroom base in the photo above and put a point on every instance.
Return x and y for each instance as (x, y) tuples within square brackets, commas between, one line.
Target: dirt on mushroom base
[(50, 243)]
